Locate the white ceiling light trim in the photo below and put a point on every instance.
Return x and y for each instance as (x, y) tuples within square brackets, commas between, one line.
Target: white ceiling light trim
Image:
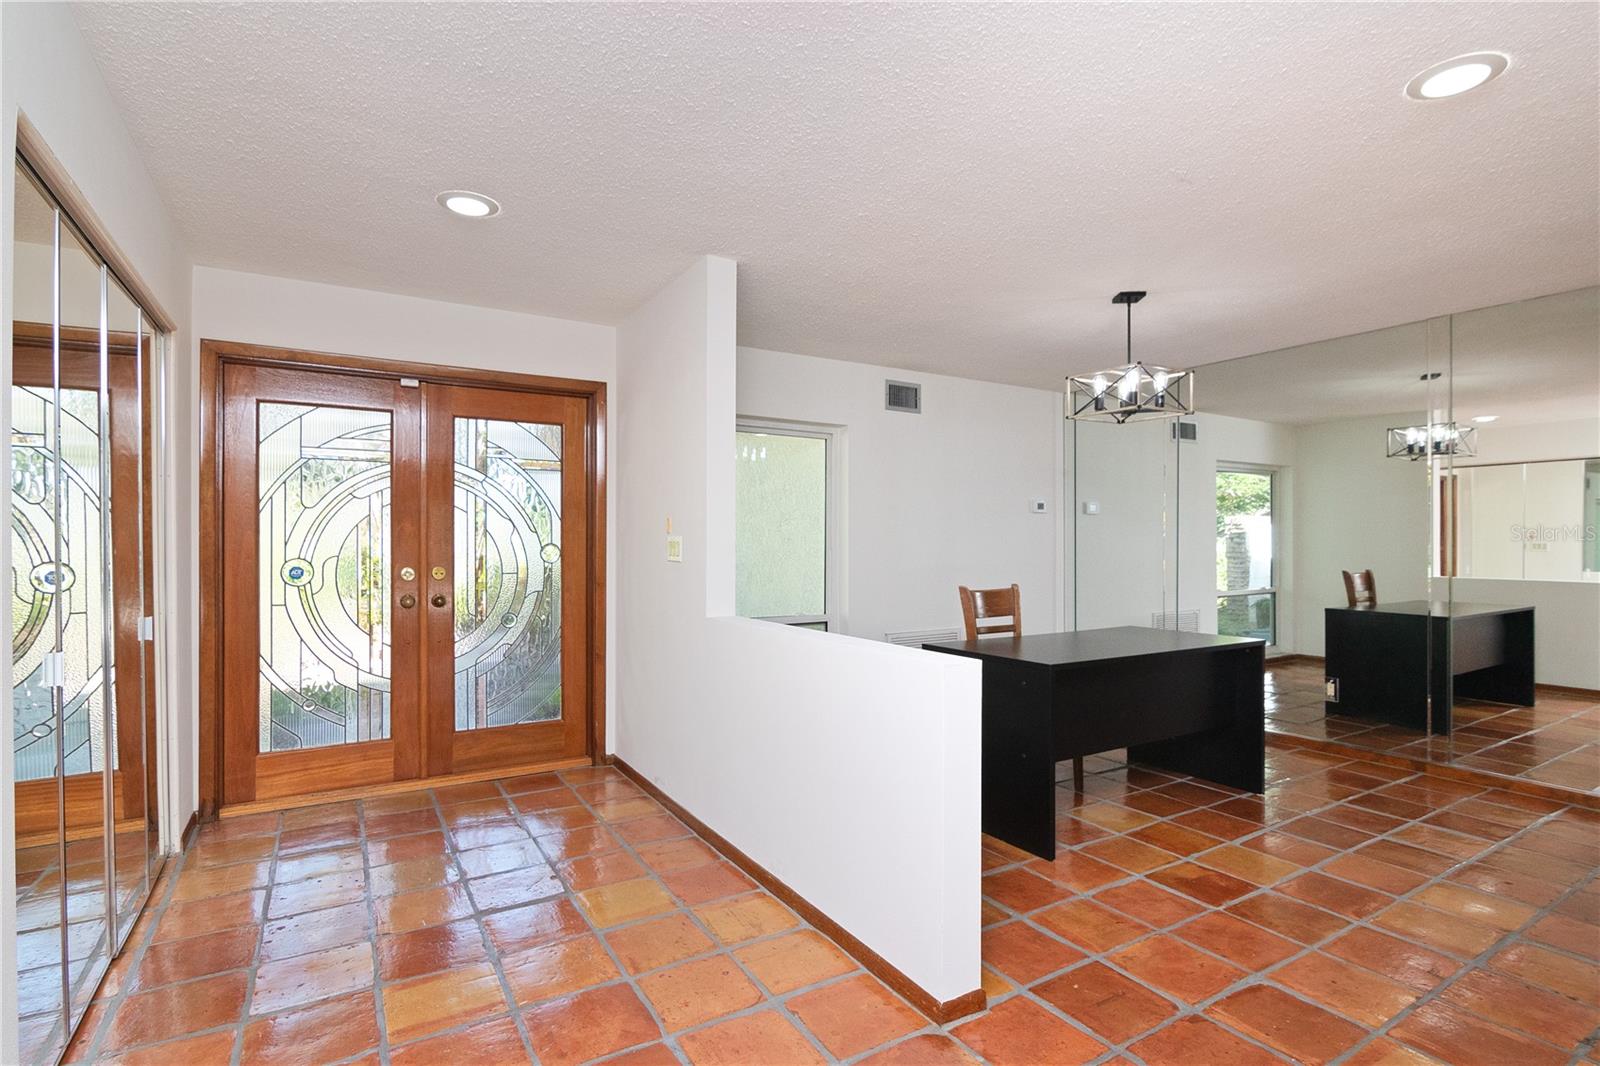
[(469, 204), (1456, 76), (1485, 418)]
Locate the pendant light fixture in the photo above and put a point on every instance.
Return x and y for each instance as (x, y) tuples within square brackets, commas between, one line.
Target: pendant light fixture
[(1436, 440), (1133, 390)]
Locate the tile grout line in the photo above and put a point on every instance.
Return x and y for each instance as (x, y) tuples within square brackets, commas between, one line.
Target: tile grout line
[(1256, 976)]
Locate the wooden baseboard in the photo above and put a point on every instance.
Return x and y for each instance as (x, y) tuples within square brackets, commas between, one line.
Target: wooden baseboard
[(939, 1011), (187, 836), (1568, 690), (392, 788), (1519, 785)]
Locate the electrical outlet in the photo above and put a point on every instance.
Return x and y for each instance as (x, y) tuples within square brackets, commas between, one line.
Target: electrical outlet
[(674, 549), (1330, 689), (1037, 505)]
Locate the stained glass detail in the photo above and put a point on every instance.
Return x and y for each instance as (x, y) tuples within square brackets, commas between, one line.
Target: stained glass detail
[(324, 490), (38, 579), (507, 572)]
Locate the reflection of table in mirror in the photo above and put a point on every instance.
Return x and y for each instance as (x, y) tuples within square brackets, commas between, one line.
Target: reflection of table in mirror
[(1380, 656)]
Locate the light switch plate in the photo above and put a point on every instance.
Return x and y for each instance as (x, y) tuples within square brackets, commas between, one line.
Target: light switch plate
[(1330, 689), (1091, 506), (674, 549)]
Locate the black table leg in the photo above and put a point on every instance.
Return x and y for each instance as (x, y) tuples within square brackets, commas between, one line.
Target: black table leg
[(1019, 766)]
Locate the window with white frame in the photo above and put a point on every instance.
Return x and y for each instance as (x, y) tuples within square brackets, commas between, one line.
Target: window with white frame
[(783, 519), (1247, 563)]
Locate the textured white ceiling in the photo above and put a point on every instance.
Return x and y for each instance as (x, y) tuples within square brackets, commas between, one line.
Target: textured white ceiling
[(955, 188)]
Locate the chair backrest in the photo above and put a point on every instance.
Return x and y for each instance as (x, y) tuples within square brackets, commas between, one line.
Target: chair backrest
[(991, 603), (1360, 589)]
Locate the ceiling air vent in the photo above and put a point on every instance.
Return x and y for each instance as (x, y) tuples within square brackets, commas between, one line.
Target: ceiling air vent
[(902, 396)]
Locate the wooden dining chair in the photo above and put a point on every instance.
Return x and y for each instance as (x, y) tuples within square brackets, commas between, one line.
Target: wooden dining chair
[(1360, 589), (978, 604)]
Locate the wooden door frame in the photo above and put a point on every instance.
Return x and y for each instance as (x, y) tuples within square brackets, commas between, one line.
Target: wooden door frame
[(214, 355)]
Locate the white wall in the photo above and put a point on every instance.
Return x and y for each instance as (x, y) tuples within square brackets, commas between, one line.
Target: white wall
[(1355, 509), (47, 74), (846, 767), (934, 500), (283, 313)]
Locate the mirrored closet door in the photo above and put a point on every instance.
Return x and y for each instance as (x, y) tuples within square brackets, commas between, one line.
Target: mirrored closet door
[(84, 798)]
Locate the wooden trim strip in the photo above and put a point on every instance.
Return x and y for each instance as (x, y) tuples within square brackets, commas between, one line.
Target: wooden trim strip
[(36, 153), (1568, 690), (305, 359), (1537, 789), (393, 788), (875, 964), (187, 836), (1294, 657)]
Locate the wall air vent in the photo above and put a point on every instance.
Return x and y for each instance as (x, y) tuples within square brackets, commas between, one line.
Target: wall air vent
[(916, 638), (1183, 431), (902, 396), (1185, 621)]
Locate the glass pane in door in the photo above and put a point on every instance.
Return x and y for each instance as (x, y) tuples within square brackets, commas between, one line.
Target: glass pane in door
[(507, 558), (324, 487)]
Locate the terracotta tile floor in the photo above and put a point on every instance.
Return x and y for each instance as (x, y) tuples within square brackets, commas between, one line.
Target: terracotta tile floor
[(1555, 742), (1355, 913)]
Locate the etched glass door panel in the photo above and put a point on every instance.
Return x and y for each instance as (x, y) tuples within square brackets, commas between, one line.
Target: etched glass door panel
[(324, 491), (507, 572)]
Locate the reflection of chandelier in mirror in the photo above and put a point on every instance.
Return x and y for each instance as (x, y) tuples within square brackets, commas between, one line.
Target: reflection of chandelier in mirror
[(1438, 440), (1132, 390)]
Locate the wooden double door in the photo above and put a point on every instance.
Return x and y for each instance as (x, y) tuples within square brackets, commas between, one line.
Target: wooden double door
[(405, 579)]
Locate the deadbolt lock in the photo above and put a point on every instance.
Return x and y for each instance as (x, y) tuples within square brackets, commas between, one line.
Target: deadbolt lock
[(438, 573), (408, 601), (439, 599), (407, 574)]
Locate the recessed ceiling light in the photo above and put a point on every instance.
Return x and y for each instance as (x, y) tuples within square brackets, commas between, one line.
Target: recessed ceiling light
[(1484, 418), (1455, 76), (469, 204)]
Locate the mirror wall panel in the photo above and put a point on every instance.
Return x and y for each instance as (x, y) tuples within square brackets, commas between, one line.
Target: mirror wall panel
[(1125, 524), (124, 425), (37, 800), (1517, 533), (87, 723), (84, 803)]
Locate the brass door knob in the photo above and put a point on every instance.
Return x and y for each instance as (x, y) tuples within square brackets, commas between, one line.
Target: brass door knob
[(408, 601), (439, 599)]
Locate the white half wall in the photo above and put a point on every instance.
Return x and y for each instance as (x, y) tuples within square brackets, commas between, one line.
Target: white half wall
[(47, 74), (848, 768), (934, 500), (285, 313)]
